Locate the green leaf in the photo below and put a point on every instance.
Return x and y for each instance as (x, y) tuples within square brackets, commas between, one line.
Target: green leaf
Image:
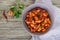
[(21, 6), (15, 13), (19, 12), (17, 16), (13, 7)]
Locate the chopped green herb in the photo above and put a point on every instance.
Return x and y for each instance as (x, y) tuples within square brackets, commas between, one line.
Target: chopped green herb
[(15, 13), (13, 7), (17, 9), (17, 16), (21, 7), (41, 26)]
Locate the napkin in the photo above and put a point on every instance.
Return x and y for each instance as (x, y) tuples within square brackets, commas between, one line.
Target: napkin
[(54, 33)]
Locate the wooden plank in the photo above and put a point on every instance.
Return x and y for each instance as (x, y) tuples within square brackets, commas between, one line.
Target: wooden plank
[(13, 30), (56, 2), (57, 6)]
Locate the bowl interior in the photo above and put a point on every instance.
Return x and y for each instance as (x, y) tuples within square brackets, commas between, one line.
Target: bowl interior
[(44, 6)]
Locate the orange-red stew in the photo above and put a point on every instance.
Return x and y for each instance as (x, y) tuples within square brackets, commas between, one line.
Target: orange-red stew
[(37, 20)]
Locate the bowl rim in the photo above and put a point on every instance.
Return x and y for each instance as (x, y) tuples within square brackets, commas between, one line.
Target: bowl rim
[(37, 5)]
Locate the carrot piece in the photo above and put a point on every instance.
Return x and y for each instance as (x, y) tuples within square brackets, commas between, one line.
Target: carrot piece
[(47, 20), (46, 25), (33, 26), (32, 22), (38, 21), (32, 30), (30, 14), (27, 15), (42, 24), (38, 10), (39, 29), (43, 30), (35, 17), (27, 22), (33, 14), (43, 10), (45, 14)]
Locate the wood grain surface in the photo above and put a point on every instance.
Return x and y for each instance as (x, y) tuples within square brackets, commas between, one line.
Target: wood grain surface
[(14, 30)]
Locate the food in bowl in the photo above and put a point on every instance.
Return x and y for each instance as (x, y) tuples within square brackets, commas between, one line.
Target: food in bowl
[(38, 20)]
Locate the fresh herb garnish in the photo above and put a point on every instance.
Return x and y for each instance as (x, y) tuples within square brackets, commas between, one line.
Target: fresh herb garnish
[(21, 7), (17, 9), (13, 7), (41, 26)]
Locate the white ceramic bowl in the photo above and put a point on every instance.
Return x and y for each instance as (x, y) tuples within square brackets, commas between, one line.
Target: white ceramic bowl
[(41, 5)]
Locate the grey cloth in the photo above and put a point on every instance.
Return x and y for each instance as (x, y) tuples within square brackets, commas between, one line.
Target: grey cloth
[(54, 33)]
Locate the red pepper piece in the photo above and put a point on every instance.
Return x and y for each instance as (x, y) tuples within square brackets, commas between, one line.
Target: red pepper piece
[(4, 15)]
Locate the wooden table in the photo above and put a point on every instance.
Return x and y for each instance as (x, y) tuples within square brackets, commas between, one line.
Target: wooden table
[(13, 30)]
